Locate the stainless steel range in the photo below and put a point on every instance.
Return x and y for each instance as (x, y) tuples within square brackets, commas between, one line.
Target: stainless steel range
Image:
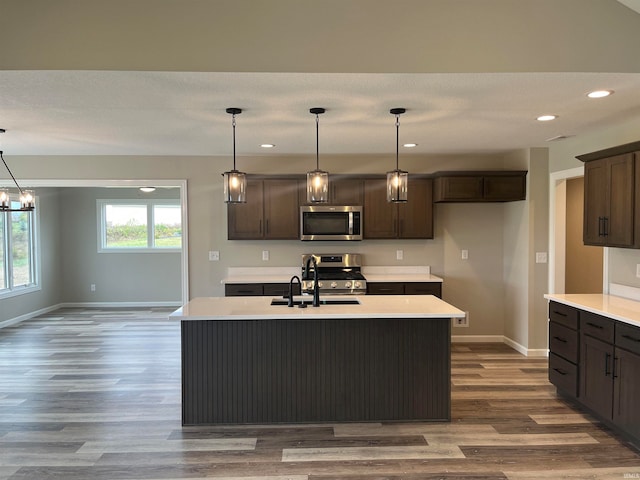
[(338, 274)]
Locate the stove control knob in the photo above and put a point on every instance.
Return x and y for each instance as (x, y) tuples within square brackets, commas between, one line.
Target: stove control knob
[(347, 285), (357, 285), (319, 284), (334, 284)]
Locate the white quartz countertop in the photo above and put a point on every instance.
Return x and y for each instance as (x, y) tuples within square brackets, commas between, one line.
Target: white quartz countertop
[(618, 308), (373, 274), (370, 306)]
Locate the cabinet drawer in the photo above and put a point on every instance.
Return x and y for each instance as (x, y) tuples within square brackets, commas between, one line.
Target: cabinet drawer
[(563, 314), (597, 326), (563, 374), (243, 290), (279, 289), (385, 288), (427, 288), (628, 337), (563, 341)]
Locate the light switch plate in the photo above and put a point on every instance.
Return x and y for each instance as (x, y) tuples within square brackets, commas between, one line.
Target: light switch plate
[(399, 254), (214, 255), (465, 255), (265, 255), (541, 257)]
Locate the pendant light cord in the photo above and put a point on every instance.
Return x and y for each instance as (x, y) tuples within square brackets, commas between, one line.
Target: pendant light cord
[(9, 170), (233, 123), (397, 140), (317, 142)]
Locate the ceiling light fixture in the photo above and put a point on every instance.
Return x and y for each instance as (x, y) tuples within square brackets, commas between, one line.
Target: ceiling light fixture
[(147, 189), (27, 197), (267, 145), (410, 145), (235, 182), (546, 118), (599, 93), (317, 180), (397, 179)]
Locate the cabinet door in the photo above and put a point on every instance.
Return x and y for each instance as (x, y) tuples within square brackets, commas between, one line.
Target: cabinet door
[(626, 413), (504, 188), (380, 216), (596, 376), (423, 288), (415, 218), (281, 212), (346, 191), (245, 220), (459, 188), (385, 288), (619, 221), (595, 202)]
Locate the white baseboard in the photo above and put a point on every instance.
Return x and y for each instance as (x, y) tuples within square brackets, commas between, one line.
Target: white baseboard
[(27, 316), (528, 352), (42, 311), (119, 304)]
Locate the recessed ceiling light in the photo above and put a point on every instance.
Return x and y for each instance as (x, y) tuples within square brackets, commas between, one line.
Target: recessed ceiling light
[(267, 145), (147, 189), (546, 118), (410, 145), (599, 93)]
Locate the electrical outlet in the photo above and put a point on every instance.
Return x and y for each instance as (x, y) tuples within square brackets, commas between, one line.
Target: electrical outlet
[(465, 254), (399, 254), (462, 322), (638, 270), (265, 255), (214, 255), (93, 287), (541, 257)]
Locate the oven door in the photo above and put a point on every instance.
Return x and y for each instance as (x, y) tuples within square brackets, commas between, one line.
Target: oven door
[(330, 223)]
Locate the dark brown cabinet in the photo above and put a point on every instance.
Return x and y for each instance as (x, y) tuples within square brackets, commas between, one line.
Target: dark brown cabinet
[(271, 211), (259, 289), (405, 288), (609, 201), (490, 186), (563, 348), (606, 361), (413, 219), (343, 190)]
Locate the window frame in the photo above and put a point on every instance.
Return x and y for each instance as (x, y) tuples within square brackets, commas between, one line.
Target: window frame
[(101, 205), (12, 290)]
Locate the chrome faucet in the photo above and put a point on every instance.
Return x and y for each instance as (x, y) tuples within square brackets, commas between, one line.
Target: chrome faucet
[(290, 301), (316, 289)]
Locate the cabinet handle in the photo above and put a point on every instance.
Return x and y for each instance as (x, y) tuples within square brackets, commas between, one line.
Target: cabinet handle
[(629, 337), (260, 226), (615, 363), (607, 359), (600, 226), (267, 226), (606, 226), (562, 314), (560, 371), (599, 327), (560, 339)]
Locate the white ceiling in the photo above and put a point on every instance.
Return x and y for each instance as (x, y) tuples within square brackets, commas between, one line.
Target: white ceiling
[(169, 113)]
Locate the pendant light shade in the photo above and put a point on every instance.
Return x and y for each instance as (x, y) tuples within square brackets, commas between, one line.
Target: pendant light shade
[(235, 182), (27, 197), (317, 180), (397, 180)]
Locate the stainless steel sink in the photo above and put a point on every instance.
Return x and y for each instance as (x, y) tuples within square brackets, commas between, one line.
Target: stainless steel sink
[(323, 301)]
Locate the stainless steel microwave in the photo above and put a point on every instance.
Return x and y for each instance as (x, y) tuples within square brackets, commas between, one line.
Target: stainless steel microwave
[(329, 222)]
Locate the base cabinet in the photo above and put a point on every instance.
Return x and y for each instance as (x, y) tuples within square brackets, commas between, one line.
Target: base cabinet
[(601, 371)]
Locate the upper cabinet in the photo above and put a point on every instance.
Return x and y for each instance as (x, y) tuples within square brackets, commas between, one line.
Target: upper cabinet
[(270, 213), (612, 197), (343, 190), (413, 219), (489, 186)]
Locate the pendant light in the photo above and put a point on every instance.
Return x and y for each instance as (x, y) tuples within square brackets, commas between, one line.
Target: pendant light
[(235, 182), (317, 180), (27, 197), (397, 179)]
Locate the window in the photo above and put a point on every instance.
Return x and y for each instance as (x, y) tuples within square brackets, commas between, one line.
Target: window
[(17, 252), (139, 225)]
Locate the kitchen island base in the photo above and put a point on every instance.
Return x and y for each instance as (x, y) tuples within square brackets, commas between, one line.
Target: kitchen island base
[(253, 371)]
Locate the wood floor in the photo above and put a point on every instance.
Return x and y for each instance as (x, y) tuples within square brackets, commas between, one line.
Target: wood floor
[(95, 394)]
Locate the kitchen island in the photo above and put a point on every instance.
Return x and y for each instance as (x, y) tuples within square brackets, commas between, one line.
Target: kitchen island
[(382, 358)]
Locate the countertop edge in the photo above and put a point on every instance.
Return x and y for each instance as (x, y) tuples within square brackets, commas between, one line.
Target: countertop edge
[(576, 303)]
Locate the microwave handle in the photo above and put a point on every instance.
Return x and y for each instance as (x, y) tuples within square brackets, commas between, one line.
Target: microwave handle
[(350, 223)]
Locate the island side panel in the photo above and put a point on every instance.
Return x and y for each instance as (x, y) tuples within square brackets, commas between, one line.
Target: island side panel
[(333, 370)]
